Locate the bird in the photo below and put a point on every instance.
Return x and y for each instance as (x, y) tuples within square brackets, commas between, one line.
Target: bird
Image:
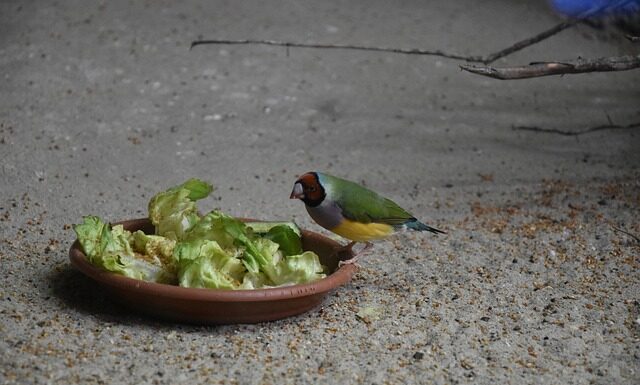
[(352, 211)]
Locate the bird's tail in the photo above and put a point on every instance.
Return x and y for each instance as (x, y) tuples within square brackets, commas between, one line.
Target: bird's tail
[(416, 225)]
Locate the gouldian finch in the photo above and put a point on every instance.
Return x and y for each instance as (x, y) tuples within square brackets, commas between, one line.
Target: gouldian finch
[(352, 211)]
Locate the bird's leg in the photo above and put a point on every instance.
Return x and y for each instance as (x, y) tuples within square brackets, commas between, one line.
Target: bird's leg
[(347, 249), (354, 259)]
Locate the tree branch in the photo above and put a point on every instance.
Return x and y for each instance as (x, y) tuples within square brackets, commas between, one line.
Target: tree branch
[(537, 69), (609, 126), (529, 41), (406, 51), (487, 59)]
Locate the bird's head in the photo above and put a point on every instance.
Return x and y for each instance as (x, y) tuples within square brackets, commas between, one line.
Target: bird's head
[(309, 189)]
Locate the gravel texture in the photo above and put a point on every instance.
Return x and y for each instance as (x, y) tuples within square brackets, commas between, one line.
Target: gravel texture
[(537, 280)]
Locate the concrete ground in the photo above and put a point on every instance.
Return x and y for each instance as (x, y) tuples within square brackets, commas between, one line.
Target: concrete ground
[(103, 104)]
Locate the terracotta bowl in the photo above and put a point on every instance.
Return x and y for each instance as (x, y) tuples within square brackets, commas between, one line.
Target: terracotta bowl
[(213, 306)]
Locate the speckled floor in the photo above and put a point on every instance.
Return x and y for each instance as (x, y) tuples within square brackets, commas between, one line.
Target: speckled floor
[(537, 280)]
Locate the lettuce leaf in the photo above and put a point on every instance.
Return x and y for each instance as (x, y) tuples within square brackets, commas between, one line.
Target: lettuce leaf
[(158, 249), (173, 212), (216, 226), (203, 263), (289, 241), (285, 234), (229, 233), (286, 270), (214, 251), (252, 281), (93, 235), (292, 270), (263, 227), (274, 259), (109, 249), (296, 269)]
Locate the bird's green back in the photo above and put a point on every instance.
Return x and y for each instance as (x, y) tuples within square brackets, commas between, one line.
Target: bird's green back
[(361, 204)]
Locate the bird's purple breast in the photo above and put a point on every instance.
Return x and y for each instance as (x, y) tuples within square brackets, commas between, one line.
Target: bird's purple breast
[(328, 214)]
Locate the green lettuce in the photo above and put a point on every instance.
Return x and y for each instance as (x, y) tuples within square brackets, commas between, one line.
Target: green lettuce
[(302, 268), (274, 259), (158, 249), (173, 212), (216, 226), (277, 269), (285, 234), (229, 232), (287, 270), (292, 270), (109, 249), (252, 281), (287, 238), (97, 238), (213, 251), (203, 263), (263, 227)]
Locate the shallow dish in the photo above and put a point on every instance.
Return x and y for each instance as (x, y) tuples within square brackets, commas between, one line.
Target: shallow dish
[(213, 306)]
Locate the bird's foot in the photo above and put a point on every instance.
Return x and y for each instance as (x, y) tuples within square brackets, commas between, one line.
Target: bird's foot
[(350, 261), (349, 248), (367, 246)]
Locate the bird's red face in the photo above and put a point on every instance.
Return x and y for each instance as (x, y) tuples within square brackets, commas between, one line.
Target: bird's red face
[(308, 189)]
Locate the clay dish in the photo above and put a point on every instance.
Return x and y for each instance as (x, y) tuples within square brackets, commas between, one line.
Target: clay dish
[(214, 306)]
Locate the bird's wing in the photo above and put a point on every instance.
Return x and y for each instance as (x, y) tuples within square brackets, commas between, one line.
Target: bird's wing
[(365, 206)]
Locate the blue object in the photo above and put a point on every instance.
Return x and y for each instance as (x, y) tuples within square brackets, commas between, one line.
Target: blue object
[(595, 8)]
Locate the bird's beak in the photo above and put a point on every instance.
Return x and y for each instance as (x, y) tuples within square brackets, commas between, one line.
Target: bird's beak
[(297, 192)]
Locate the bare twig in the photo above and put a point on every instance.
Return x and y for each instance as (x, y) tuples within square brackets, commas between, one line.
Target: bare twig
[(577, 133), (537, 69), (637, 239), (488, 59), (406, 51), (529, 41)]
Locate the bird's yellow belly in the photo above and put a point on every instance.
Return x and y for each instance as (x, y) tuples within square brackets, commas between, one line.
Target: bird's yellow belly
[(362, 232)]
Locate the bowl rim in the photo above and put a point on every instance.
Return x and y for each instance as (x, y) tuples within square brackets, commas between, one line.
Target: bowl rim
[(339, 277)]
